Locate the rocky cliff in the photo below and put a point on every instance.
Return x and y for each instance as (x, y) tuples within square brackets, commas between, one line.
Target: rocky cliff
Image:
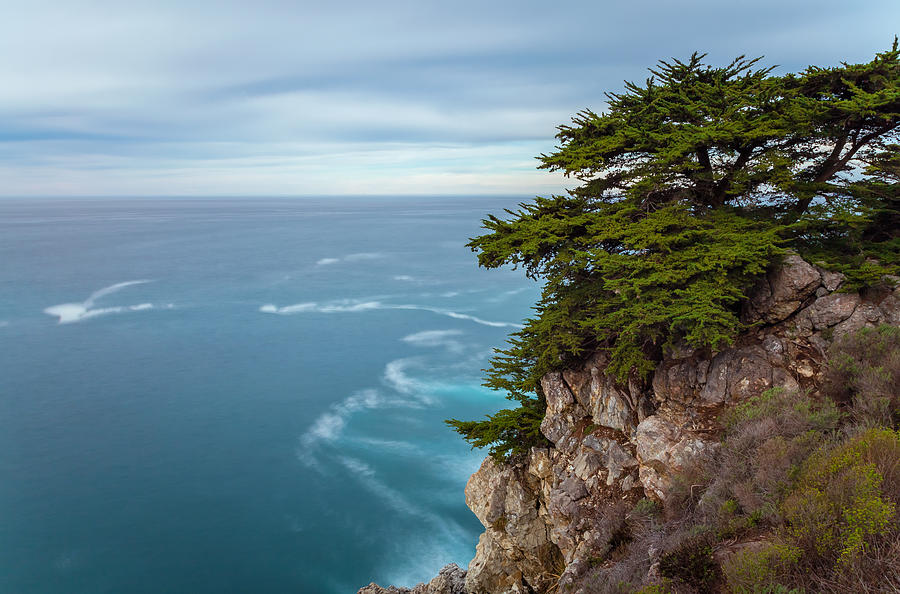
[(615, 443)]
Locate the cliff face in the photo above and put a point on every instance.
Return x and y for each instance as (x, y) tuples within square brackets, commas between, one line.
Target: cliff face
[(614, 444)]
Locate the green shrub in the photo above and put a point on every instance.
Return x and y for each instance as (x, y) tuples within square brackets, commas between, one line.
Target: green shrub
[(839, 505), (828, 498), (785, 406), (508, 432), (766, 440), (863, 374), (759, 571), (691, 563), (645, 507)]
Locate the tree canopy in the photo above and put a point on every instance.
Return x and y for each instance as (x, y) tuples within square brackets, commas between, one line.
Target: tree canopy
[(691, 185)]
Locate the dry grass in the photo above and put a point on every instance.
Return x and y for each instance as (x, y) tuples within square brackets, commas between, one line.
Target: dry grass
[(863, 376)]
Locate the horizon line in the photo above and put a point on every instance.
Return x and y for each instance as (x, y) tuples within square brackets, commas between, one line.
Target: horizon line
[(240, 196)]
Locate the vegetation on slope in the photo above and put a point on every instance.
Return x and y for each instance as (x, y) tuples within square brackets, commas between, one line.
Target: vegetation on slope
[(803, 495)]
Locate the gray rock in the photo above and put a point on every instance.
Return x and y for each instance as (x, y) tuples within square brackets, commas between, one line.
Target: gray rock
[(450, 580), (610, 407), (617, 460), (562, 411), (516, 546), (783, 291), (587, 464), (663, 449)]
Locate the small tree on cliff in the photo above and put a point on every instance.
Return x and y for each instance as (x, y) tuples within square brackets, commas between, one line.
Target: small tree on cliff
[(691, 185)]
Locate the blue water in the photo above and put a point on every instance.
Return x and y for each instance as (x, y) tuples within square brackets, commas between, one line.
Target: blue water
[(263, 413)]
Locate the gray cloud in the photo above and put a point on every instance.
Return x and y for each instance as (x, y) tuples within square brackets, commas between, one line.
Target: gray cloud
[(291, 98)]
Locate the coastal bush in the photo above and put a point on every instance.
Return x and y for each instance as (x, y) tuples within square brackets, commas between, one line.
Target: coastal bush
[(841, 505), (760, 571), (692, 563), (838, 530), (863, 374), (692, 185), (766, 440)]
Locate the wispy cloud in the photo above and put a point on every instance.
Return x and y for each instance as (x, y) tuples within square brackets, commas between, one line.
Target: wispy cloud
[(229, 97)]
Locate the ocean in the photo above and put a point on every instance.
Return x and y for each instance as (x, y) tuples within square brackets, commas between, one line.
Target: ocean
[(242, 395)]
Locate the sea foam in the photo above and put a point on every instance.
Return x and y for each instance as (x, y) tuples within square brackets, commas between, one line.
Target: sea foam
[(351, 306), (436, 338), (68, 313)]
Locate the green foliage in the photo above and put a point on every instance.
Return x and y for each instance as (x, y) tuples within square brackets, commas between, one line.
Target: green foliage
[(777, 402), (645, 507), (839, 506), (508, 432), (691, 563), (767, 439), (675, 275), (857, 231), (863, 374), (692, 185), (759, 571)]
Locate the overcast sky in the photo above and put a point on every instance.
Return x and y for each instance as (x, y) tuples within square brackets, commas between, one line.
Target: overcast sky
[(269, 97)]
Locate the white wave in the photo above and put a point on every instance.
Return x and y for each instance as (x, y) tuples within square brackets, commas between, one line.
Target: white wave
[(363, 256), (110, 290), (350, 306), (431, 337), (350, 258), (397, 501), (330, 424), (68, 313), (506, 295), (436, 338), (366, 475), (290, 309), (403, 277), (389, 444), (396, 378), (344, 306), (460, 316)]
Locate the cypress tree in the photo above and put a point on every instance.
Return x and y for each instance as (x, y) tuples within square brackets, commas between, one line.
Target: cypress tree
[(690, 186)]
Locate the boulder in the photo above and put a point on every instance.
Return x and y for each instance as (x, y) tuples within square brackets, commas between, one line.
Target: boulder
[(450, 580), (783, 290)]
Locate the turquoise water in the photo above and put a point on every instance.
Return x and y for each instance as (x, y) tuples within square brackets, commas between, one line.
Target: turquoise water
[(241, 395)]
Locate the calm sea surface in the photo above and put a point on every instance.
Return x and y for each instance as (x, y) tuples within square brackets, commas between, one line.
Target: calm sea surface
[(214, 396)]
